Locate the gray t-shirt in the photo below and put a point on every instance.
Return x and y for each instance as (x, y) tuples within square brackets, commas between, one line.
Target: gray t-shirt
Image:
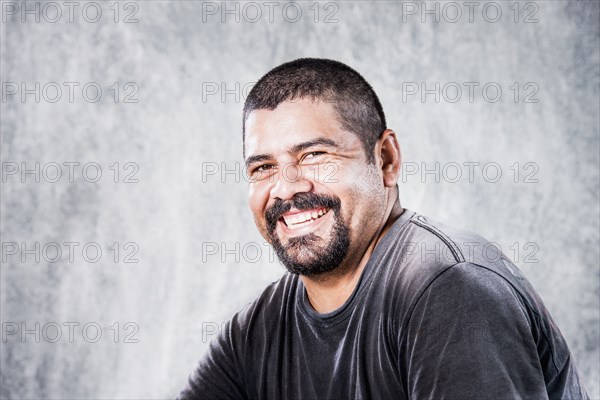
[(438, 313)]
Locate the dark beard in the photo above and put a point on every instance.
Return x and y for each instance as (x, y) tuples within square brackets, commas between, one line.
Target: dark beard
[(301, 255)]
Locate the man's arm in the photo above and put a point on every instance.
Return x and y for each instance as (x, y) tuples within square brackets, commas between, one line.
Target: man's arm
[(218, 374), (472, 336)]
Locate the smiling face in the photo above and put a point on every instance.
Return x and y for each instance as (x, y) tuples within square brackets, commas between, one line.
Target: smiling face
[(313, 194)]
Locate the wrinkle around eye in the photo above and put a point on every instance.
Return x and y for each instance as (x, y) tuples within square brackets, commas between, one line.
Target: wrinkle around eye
[(313, 154)]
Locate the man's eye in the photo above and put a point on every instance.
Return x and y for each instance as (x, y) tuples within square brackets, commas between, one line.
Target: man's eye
[(263, 168), (313, 154)]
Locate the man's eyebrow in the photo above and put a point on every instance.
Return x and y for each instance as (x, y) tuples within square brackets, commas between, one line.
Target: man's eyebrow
[(258, 158), (316, 142)]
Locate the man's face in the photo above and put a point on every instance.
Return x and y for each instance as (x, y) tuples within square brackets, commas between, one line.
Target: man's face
[(313, 195)]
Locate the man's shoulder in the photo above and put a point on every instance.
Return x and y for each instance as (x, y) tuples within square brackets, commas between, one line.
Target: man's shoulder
[(423, 251), (269, 306), (454, 244), (431, 246)]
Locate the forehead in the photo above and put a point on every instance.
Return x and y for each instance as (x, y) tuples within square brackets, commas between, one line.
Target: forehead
[(291, 123)]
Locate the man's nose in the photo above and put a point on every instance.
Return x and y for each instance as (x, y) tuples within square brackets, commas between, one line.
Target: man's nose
[(289, 181)]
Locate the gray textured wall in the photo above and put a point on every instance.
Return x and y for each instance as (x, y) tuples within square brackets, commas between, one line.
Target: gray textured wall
[(173, 210)]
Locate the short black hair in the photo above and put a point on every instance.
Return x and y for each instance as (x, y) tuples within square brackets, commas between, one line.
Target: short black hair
[(354, 100)]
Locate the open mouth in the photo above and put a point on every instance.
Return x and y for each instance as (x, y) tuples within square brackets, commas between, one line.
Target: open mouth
[(298, 219)]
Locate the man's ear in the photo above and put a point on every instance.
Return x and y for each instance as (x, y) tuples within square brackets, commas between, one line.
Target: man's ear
[(390, 157)]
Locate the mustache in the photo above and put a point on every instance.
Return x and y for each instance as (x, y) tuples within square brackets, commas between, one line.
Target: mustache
[(301, 201)]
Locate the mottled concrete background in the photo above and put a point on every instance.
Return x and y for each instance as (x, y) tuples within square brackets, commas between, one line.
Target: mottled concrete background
[(175, 203)]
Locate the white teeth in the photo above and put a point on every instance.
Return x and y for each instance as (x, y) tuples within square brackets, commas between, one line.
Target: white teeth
[(303, 217)]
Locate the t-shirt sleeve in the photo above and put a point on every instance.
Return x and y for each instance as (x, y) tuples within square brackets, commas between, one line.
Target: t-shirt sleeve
[(469, 337), (218, 375)]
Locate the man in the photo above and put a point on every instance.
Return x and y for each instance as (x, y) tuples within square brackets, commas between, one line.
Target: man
[(379, 302)]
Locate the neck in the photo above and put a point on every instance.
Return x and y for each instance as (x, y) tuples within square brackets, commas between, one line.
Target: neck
[(328, 292)]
